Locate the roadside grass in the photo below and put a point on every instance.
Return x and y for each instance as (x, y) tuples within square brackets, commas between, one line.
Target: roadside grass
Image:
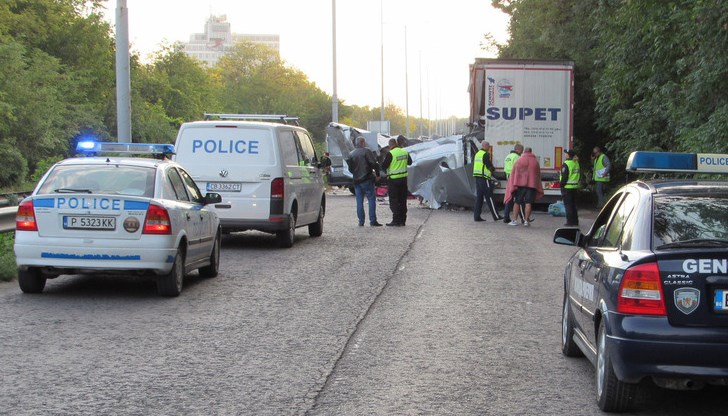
[(8, 270)]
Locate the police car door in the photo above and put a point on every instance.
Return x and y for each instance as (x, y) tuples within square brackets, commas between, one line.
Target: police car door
[(188, 209)]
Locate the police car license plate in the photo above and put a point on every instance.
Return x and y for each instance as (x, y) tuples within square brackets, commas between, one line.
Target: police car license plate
[(721, 300), (224, 186), (77, 222)]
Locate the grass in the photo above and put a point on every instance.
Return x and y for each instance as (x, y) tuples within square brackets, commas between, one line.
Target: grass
[(8, 271)]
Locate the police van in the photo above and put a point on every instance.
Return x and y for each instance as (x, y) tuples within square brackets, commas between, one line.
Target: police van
[(265, 168)]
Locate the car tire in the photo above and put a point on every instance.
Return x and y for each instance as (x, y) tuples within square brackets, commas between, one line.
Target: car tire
[(317, 229), (170, 284), (285, 238), (31, 280), (612, 395), (568, 346), (214, 267)]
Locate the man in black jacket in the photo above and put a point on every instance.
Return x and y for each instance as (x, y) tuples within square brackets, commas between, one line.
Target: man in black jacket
[(365, 170)]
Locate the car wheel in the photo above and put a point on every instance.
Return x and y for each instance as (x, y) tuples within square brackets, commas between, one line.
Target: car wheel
[(568, 346), (612, 395), (170, 284), (317, 228), (285, 238), (212, 269), (31, 280)]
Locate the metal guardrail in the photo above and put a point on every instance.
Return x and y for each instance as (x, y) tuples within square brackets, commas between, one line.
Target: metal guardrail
[(7, 219)]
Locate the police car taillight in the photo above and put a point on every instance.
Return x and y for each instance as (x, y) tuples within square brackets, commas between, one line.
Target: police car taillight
[(276, 188), (25, 218), (157, 221), (640, 291)]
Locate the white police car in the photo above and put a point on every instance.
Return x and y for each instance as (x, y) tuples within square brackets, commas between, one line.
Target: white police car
[(119, 215), (646, 294)]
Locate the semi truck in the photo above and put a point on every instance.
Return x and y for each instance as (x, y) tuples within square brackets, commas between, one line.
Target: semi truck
[(528, 102)]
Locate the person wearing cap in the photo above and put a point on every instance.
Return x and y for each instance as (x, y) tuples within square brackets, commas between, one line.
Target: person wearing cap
[(569, 180), (482, 171)]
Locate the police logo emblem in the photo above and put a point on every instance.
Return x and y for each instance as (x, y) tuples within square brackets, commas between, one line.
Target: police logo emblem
[(687, 299), (224, 173)]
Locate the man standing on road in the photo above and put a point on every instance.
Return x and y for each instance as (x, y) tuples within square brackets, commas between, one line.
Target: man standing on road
[(395, 163), (524, 186), (508, 163), (482, 171), (602, 166), (569, 180), (365, 170)]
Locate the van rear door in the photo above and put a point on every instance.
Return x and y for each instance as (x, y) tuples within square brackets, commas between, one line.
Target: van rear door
[(234, 159)]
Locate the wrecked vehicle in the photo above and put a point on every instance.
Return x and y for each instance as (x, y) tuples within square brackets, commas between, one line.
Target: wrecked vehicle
[(340, 142)]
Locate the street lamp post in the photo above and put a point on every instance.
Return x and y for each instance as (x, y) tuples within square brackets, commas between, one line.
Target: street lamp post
[(123, 79), (334, 98)]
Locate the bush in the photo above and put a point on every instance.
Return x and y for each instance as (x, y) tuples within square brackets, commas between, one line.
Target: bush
[(8, 270)]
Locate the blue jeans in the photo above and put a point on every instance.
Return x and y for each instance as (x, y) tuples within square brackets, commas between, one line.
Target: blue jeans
[(366, 187)]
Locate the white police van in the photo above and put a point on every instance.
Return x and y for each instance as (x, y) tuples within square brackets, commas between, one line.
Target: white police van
[(116, 214), (266, 170)]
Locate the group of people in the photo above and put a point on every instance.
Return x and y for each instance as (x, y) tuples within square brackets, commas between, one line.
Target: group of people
[(366, 171), (524, 187), (521, 167)]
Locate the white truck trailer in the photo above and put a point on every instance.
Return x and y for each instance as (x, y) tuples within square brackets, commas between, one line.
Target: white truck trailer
[(528, 102)]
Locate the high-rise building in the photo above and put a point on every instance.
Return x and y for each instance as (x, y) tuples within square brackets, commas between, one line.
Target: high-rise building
[(208, 47)]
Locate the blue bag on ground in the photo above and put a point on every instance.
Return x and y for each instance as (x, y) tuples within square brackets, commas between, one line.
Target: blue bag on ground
[(557, 209)]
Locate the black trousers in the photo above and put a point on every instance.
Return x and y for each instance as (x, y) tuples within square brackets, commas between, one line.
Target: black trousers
[(398, 199), (484, 190), (572, 217)]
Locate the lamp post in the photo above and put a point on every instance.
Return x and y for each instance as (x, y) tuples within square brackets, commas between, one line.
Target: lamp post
[(123, 79), (334, 98)]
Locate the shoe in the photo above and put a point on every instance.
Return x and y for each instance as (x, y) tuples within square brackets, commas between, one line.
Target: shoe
[(506, 220), (526, 224), (479, 219), (361, 224), (375, 224), (514, 222), (500, 219)]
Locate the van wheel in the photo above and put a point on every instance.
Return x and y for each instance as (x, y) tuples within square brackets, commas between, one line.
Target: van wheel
[(285, 238), (31, 280), (317, 228), (170, 284), (213, 268)]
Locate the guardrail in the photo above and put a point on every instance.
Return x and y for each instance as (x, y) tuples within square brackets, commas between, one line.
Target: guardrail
[(7, 219)]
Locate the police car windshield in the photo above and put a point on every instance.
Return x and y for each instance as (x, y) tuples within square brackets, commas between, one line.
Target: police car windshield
[(682, 221), (100, 179)]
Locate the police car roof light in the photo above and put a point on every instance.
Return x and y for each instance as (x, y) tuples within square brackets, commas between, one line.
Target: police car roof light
[(87, 147), (677, 162), (284, 118)]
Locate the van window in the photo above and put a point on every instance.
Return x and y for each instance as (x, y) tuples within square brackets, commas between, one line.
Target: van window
[(309, 154), (289, 150), (215, 144)]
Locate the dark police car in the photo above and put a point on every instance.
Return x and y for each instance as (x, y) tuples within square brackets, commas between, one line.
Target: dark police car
[(646, 295)]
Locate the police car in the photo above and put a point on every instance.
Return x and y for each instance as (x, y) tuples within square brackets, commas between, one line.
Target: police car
[(646, 294), (117, 214)]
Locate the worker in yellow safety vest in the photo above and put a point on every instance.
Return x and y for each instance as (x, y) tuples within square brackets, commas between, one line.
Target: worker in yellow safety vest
[(602, 166), (482, 171), (570, 181), (508, 163), (395, 164)]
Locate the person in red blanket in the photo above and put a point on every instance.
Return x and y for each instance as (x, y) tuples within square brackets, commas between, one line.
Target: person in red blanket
[(524, 186)]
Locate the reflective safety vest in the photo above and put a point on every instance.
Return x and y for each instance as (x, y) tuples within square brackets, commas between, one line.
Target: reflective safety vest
[(479, 168), (398, 167), (599, 165), (509, 162), (572, 181)]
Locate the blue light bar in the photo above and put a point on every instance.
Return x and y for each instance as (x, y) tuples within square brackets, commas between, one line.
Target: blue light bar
[(87, 147), (677, 162)]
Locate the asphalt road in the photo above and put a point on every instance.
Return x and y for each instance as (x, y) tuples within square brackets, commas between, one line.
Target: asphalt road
[(442, 317)]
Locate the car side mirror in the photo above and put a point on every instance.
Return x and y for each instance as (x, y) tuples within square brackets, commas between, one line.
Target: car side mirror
[(212, 198), (568, 237)]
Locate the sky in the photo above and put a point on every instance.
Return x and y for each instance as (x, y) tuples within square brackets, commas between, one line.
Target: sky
[(440, 39)]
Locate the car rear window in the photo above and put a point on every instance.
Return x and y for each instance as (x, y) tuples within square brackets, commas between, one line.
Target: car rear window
[(100, 179), (681, 218)]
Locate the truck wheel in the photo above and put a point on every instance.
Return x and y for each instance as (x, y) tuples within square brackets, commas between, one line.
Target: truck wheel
[(568, 346), (285, 238), (170, 284), (317, 228), (612, 395), (31, 280), (213, 268)]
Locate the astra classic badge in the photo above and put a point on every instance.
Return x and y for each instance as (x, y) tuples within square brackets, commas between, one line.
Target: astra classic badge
[(687, 299)]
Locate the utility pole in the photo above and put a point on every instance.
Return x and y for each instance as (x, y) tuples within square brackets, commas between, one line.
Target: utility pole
[(421, 120), (334, 98), (381, 35), (406, 85), (123, 79)]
